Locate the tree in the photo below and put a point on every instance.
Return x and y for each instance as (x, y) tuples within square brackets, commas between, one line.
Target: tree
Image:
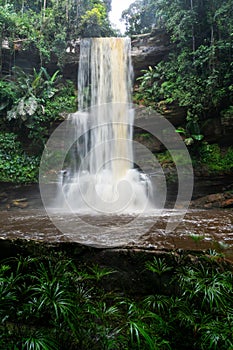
[(140, 17), (95, 23), (198, 74), (7, 26), (47, 25)]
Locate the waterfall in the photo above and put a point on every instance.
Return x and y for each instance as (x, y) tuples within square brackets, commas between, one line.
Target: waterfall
[(100, 175)]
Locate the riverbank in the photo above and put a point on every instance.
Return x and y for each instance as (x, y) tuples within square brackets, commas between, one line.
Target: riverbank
[(209, 192)]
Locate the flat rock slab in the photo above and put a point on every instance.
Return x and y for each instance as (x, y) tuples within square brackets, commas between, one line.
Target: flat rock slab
[(198, 230)]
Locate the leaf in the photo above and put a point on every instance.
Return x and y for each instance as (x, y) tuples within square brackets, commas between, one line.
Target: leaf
[(198, 137), (138, 329), (158, 266), (31, 105), (189, 141), (11, 114), (181, 131), (20, 108), (54, 76), (3, 105)]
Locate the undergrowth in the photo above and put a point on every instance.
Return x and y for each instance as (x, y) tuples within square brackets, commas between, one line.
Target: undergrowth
[(215, 159), (211, 157), (52, 303), (15, 164)]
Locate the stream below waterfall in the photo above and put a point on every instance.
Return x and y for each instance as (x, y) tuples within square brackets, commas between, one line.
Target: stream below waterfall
[(198, 230)]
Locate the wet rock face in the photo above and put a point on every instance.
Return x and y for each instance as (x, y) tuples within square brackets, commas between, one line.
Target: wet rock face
[(149, 49)]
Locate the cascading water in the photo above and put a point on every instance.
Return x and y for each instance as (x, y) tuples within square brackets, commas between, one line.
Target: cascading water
[(101, 177)]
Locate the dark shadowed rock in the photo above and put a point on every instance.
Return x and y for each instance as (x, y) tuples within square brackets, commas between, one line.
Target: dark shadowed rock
[(149, 49)]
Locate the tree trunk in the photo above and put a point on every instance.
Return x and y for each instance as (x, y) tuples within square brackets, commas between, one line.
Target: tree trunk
[(1, 38), (212, 35), (77, 9), (212, 61), (44, 9), (67, 10), (22, 7), (193, 31)]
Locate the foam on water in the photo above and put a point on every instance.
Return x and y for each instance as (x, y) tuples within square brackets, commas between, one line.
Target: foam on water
[(100, 176)]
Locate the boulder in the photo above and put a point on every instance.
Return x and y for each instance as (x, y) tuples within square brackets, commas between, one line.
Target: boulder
[(228, 203), (21, 203), (216, 200)]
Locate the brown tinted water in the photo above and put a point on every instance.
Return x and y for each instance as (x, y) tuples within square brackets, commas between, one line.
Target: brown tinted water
[(198, 230)]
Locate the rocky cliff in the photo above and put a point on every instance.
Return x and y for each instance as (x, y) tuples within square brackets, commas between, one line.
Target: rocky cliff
[(147, 50)]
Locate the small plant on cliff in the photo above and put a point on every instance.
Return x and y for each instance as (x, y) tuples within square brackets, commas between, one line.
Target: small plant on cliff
[(148, 92), (15, 164), (191, 133), (215, 159)]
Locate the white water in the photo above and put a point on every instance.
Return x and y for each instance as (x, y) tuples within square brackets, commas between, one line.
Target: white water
[(101, 177)]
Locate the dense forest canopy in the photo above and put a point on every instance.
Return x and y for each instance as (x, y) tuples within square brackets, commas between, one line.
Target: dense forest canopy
[(31, 102), (49, 24), (140, 17)]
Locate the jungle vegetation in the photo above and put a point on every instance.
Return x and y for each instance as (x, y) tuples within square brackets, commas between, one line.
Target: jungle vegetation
[(47, 26), (197, 76), (53, 302), (31, 102)]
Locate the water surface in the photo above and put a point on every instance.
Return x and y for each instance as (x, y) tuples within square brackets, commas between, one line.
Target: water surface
[(198, 230)]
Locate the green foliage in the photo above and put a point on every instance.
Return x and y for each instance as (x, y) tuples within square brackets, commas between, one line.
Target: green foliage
[(191, 132), (197, 75), (32, 91), (7, 96), (52, 303), (94, 23), (158, 266), (165, 159), (15, 164), (148, 91), (7, 17), (204, 155), (227, 114), (140, 17), (47, 26), (215, 159), (35, 102)]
